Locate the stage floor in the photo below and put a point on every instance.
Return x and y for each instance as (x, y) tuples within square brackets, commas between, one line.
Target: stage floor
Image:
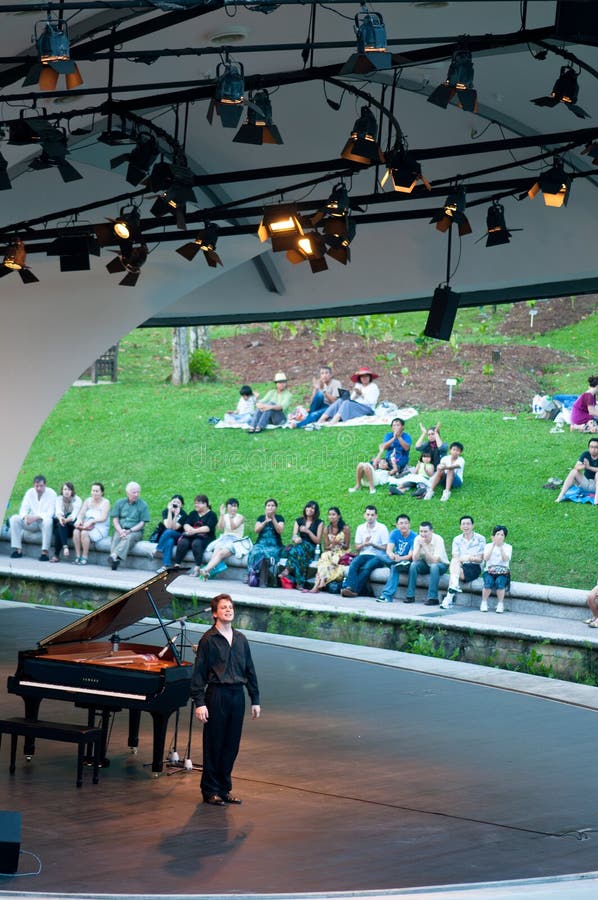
[(358, 776)]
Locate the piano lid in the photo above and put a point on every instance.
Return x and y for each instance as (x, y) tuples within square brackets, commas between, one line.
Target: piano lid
[(119, 613)]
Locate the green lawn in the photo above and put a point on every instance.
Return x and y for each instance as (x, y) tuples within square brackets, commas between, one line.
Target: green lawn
[(142, 428)]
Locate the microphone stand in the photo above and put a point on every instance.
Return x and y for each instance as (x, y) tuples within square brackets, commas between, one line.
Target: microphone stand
[(174, 764)]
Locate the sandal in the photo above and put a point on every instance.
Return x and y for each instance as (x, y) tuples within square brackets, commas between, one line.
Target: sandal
[(66, 552), (594, 624), (82, 560), (54, 559)]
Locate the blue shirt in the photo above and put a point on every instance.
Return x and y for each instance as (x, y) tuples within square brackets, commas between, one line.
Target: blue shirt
[(402, 545), (396, 450)]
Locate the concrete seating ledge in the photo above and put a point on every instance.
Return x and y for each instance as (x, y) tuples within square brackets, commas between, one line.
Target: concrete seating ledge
[(531, 599)]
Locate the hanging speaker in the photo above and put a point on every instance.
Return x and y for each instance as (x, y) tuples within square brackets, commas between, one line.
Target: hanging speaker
[(10, 841), (442, 313)]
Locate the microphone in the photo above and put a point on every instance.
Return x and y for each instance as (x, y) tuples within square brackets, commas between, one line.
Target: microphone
[(164, 649)]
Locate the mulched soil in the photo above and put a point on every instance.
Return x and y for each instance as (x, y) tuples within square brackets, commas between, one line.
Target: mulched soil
[(489, 377)]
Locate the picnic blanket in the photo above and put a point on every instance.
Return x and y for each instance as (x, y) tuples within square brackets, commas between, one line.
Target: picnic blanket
[(576, 495), (384, 414)]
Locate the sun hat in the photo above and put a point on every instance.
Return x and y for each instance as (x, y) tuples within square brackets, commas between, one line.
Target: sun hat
[(280, 376), (363, 370)]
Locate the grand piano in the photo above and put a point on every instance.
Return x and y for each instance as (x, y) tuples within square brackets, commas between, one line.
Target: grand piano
[(104, 676)]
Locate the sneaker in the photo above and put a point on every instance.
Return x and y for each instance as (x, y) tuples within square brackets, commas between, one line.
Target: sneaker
[(500, 607), (431, 601), (448, 601), (484, 606), (16, 554), (353, 490), (347, 592), (383, 599), (456, 590), (428, 495), (409, 600), (394, 491), (445, 496)]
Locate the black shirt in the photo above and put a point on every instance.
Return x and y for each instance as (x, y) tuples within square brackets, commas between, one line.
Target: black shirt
[(209, 519), (218, 662)]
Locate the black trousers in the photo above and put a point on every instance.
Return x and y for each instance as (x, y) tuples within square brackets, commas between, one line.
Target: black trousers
[(197, 544), (221, 737)]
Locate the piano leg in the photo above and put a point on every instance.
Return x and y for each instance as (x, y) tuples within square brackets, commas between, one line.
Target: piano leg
[(32, 705), (160, 721), (134, 723)]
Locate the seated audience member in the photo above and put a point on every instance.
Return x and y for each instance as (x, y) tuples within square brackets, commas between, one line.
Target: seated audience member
[(65, 515), (169, 530), (245, 411), (399, 550), (584, 414), (336, 542), (232, 525), (199, 530), (273, 408), (361, 402), (371, 541), (583, 473), (130, 515), (418, 478), (325, 392), (497, 568), (265, 553), (429, 556), (466, 560), (592, 601), (391, 459), (92, 523), (449, 472), (307, 534), (430, 440), (36, 513)]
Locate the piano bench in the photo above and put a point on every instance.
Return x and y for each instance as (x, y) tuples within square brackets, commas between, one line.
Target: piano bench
[(83, 735)]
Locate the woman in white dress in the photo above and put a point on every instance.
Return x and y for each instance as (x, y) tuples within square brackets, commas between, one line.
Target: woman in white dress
[(92, 523)]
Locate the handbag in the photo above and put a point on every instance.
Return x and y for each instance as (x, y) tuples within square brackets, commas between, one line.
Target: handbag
[(498, 570), (346, 559), (241, 547)]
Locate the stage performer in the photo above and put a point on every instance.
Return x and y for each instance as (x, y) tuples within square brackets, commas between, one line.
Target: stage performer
[(223, 666)]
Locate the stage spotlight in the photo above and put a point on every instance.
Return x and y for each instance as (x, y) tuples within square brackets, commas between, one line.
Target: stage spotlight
[(555, 185), (126, 227), (15, 259), (54, 146), (310, 248), (53, 46), (205, 241), (258, 127), (453, 211), (372, 53), (130, 260), (403, 169), (565, 90), (459, 84), (140, 159), (497, 231), (362, 146), (338, 234), (74, 251), (281, 225), (5, 184), (228, 98), (175, 182)]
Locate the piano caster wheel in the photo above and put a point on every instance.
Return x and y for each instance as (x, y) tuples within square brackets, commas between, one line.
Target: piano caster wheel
[(133, 751), (28, 757), (155, 774)]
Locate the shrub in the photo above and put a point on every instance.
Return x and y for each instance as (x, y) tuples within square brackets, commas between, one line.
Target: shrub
[(202, 364)]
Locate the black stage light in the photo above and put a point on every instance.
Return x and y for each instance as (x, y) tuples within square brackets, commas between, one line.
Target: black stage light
[(453, 212), (228, 98), (362, 146), (54, 146), (555, 185), (497, 231), (403, 169), (130, 260), (281, 225), (175, 182), (5, 184), (258, 128), (565, 90), (15, 259), (372, 53), (140, 158), (74, 251), (311, 248), (205, 241), (458, 83)]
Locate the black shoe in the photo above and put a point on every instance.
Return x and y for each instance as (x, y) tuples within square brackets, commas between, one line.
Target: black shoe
[(214, 800), (114, 562), (228, 798), (44, 556), (16, 554), (409, 600), (431, 602), (394, 491)]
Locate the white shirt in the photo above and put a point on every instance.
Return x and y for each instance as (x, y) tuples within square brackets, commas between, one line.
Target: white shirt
[(378, 535), (43, 506), (434, 550), (459, 464), (472, 547), (369, 394), (59, 508)]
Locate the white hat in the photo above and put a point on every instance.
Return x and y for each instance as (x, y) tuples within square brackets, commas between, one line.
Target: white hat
[(280, 376)]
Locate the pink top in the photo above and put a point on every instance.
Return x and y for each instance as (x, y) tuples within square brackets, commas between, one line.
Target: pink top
[(580, 413)]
